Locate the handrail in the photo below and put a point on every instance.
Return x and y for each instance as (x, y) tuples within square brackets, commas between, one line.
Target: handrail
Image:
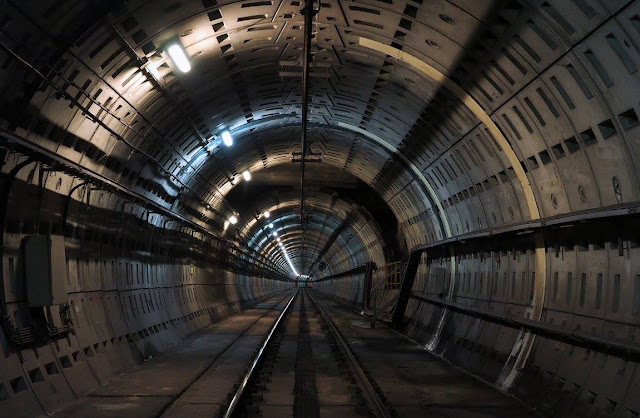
[(529, 227), (354, 271), (618, 348)]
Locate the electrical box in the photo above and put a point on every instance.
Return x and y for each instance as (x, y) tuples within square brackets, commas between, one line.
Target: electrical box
[(45, 270)]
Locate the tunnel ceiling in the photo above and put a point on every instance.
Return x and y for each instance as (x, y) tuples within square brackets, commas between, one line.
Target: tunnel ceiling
[(456, 113)]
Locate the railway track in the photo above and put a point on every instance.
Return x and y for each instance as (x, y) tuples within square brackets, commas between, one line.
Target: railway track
[(304, 368)]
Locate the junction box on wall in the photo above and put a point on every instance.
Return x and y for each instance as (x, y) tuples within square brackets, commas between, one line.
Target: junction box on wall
[(46, 270)]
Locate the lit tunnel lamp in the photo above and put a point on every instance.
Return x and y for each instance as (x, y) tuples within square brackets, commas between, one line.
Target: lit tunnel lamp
[(232, 220), (179, 57), (246, 175), (266, 214), (227, 139)]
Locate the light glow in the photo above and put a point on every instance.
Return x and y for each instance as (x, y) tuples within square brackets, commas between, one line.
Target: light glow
[(266, 214), (233, 220), (227, 139), (246, 175), (286, 256), (226, 225), (275, 233), (271, 225), (179, 57)]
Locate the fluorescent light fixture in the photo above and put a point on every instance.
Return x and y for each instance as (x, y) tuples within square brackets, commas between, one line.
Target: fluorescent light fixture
[(226, 225), (266, 214), (246, 175), (271, 225), (227, 139), (179, 57), (233, 220)]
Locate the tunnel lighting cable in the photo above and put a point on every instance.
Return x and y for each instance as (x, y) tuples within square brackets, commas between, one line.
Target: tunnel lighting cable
[(179, 57), (246, 175)]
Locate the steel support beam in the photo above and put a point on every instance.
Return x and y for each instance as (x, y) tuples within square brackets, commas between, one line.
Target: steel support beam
[(405, 288), (354, 271)]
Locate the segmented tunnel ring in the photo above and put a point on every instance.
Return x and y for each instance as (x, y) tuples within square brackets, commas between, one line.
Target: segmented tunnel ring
[(470, 173)]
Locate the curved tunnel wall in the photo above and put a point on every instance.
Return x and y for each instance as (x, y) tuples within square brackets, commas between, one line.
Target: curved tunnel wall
[(137, 285), (342, 234), (574, 127), (559, 79)]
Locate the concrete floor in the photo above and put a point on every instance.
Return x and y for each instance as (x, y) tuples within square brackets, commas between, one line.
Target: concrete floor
[(191, 380), (414, 381), (195, 378)]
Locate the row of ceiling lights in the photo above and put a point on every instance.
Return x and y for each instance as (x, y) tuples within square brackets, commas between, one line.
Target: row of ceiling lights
[(180, 59), (283, 249)]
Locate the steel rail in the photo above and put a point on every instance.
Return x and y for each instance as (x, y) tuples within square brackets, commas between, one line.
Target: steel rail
[(375, 402), (254, 365), (221, 353)]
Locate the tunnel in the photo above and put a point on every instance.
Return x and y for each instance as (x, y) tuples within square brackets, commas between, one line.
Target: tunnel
[(315, 208)]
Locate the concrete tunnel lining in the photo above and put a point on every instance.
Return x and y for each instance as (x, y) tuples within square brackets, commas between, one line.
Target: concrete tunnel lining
[(462, 116)]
